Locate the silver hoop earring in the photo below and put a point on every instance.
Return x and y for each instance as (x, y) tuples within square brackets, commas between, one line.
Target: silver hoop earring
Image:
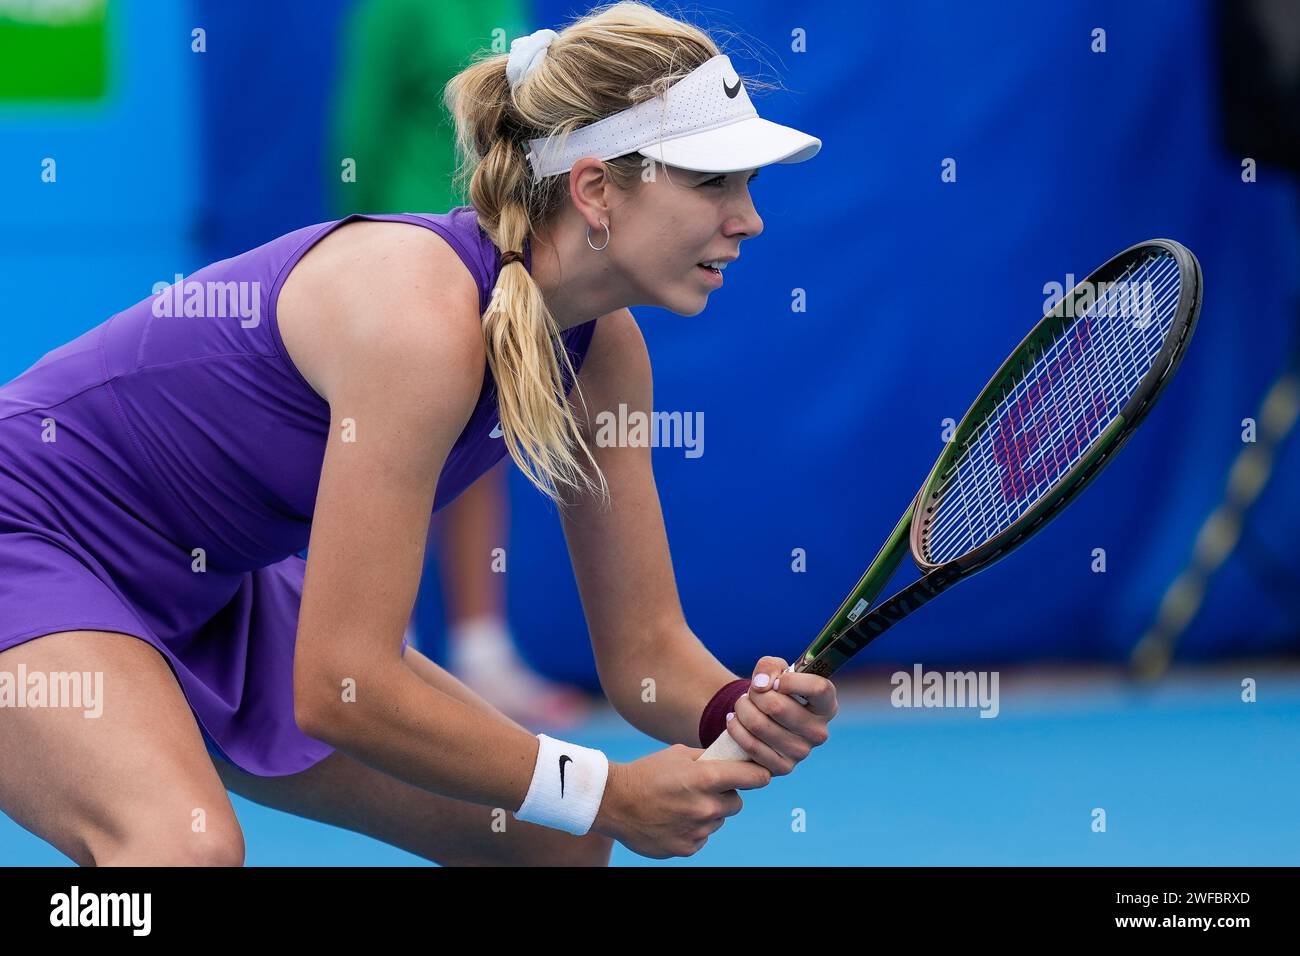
[(598, 248)]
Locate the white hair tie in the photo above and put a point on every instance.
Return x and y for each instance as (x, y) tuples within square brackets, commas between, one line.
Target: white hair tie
[(526, 53)]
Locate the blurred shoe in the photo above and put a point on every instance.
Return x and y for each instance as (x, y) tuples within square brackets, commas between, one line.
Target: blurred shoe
[(483, 655)]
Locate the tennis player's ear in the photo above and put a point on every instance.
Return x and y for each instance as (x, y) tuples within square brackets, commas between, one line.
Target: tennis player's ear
[(767, 670)]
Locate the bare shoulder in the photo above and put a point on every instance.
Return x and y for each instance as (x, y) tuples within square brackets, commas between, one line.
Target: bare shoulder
[(381, 295)]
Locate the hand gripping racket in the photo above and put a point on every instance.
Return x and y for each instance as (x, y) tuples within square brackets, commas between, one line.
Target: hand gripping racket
[(1055, 414)]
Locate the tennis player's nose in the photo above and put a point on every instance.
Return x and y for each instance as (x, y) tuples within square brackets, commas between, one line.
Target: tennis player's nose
[(747, 224)]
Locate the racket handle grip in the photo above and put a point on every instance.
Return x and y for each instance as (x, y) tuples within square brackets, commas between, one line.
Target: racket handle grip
[(724, 748)]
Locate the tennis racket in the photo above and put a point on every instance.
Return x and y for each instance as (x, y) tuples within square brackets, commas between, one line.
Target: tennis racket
[(1060, 407)]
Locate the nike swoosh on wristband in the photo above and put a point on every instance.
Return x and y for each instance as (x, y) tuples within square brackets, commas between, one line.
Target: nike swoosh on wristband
[(731, 91), (563, 757)]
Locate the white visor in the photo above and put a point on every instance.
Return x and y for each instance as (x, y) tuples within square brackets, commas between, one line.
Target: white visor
[(704, 122)]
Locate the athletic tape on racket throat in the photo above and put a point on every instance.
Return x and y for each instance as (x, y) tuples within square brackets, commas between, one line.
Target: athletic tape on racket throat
[(567, 787), (704, 122)]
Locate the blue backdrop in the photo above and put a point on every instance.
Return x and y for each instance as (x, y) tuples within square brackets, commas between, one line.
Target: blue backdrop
[(820, 424)]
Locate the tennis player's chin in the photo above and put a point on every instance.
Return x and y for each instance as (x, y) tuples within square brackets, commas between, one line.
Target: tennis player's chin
[(695, 308), (679, 301)]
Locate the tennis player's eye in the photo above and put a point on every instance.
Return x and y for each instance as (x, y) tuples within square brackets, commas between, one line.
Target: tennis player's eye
[(720, 180)]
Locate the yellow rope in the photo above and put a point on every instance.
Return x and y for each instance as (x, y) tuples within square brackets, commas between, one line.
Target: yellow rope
[(1219, 535)]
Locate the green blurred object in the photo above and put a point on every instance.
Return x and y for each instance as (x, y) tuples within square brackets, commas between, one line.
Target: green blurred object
[(53, 50), (388, 112)]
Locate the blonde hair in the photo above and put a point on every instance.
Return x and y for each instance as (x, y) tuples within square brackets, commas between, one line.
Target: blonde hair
[(605, 62)]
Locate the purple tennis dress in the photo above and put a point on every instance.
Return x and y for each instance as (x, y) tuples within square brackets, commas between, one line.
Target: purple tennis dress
[(158, 433)]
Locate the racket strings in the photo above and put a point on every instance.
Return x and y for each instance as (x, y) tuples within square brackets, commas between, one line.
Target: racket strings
[(1029, 412), (1058, 406), (1046, 422), (1058, 402), (1084, 394)]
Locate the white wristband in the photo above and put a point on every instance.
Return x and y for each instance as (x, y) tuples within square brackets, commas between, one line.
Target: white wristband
[(568, 783)]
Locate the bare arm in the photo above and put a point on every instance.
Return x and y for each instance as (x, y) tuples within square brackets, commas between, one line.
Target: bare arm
[(399, 395), (621, 560)]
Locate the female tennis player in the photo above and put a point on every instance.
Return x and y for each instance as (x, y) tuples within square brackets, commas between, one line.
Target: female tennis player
[(331, 389)]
